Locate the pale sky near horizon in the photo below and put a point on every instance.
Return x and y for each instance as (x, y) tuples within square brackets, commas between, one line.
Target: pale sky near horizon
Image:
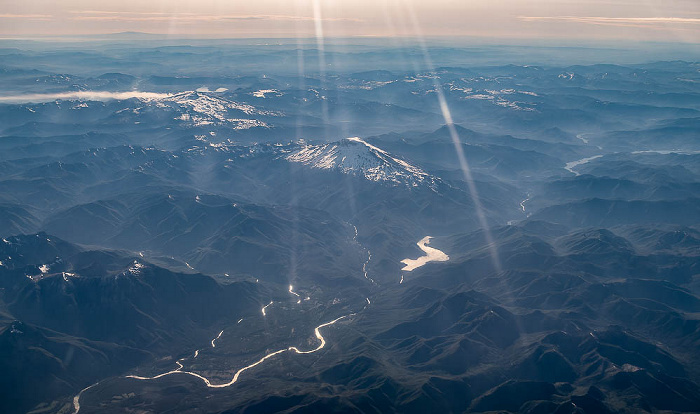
[(646, 20)]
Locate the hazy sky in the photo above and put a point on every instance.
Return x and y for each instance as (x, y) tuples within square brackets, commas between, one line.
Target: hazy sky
[(662, 20)]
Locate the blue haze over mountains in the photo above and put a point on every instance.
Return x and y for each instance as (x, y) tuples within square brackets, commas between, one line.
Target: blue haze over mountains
[(154, 193)]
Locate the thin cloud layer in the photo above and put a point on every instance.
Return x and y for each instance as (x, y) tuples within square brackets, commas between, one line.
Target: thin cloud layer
[(25, 16), (82, 96), (614, 21)]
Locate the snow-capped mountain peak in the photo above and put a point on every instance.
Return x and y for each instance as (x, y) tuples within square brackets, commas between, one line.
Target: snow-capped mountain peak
[(358, 157)]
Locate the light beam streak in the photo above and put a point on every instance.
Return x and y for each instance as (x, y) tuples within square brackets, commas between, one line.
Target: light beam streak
[(454, 136)]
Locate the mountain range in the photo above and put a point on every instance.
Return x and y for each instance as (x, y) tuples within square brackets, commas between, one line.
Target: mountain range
[(204, 228)]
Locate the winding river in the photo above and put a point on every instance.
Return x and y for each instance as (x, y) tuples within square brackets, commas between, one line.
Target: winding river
[(209, 384)]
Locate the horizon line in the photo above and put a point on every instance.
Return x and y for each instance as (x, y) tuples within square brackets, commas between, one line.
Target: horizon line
[(310, 36)]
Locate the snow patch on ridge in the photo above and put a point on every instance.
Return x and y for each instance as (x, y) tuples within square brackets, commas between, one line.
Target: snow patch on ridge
[(207, 109)]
